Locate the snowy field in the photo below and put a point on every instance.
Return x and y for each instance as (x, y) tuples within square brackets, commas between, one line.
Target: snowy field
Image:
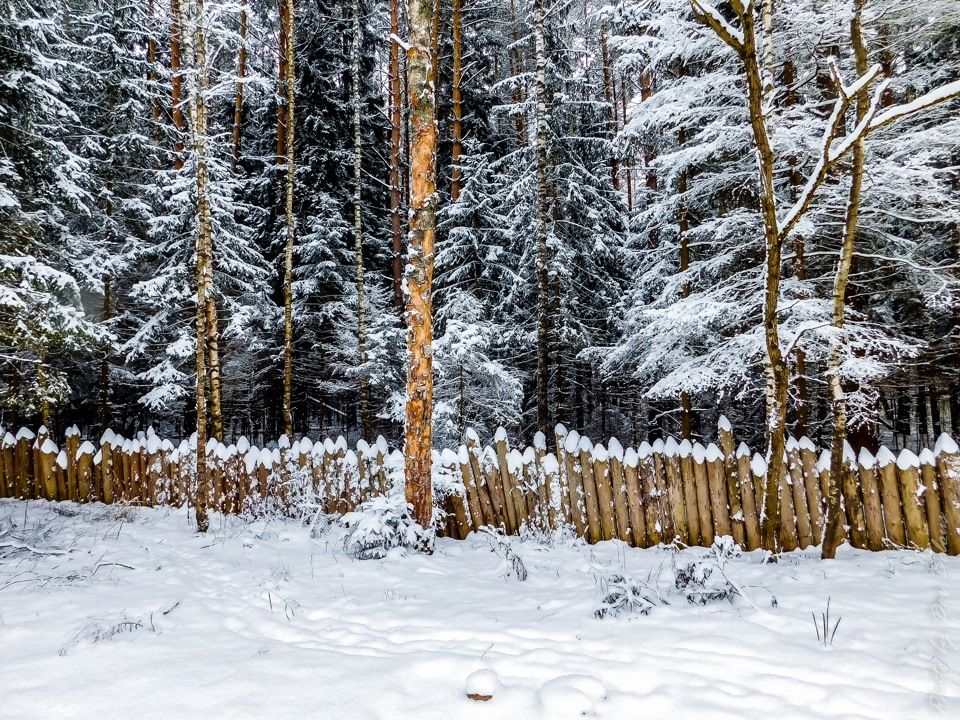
[(114, 613)]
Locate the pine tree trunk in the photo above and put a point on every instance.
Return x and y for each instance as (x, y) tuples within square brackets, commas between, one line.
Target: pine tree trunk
[(396, 226), (365, 421), (543, 212), (105, 363), (683, 225), (421, 74), (833, 535), (176, 81), (515, 67), (610, 97), (152, 71), (628, 162), (288, 75), (241, 74), (457, 22), (282, 70)]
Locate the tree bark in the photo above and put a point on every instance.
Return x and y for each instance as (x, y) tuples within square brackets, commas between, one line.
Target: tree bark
[(834, 531), (515, 63), (543, 212), (610, 97), (683, 225), (288, 73), (396, 231), (457, 23), (204, 262), (176, 81), (802, 405), (365, 422), (213, 361), (152, 70), (421, 75), (777, 376), (282, 70), (628, 161), (105, 363), (241, 74)]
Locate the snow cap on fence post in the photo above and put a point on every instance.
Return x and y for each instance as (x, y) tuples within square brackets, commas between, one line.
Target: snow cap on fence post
[(615, 449), (885, 457), (699, 453), (713, 453)]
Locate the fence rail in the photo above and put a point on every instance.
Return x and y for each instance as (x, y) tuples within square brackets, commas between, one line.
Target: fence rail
[(658, 492)]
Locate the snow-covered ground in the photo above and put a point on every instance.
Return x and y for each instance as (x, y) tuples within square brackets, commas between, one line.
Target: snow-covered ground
[(113, 613)]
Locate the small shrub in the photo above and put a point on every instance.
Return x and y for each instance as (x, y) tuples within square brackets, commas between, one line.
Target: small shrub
[(379, 525), (623, 594)]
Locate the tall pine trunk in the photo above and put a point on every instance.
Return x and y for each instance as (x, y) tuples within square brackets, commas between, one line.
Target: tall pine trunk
[(241, 75), (288, 75), (365, 421), (543, 211), (396, 224), (176, 84), (457, 32), (421, 75), (105, 361)]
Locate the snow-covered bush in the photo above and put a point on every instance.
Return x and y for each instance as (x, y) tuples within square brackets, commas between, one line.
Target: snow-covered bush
[(381, 524), (624, 594)]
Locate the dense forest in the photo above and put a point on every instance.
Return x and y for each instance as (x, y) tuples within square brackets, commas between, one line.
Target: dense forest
[(647, 214)]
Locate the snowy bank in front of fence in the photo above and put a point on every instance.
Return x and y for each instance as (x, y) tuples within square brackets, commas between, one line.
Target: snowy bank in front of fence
[(112, 611)]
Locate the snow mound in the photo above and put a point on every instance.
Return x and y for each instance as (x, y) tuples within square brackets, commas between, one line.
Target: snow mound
[(482, 685), (571, 696)]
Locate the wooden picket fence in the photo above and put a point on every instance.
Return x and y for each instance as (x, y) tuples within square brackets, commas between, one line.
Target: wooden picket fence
[(662, 492)]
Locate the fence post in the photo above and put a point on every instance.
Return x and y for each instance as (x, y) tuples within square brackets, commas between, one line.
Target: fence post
[(797, 487), (23, 487), (717, 479), (731, 476), (890, 497), (675, 491), (578, 503), (948, 469), (908, 467), (931, 500), (594, 529), (811, 484), (635, 505), (506, 480), (872, 509)]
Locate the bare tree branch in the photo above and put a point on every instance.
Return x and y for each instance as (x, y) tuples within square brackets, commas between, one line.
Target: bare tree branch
[(708, 15)]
